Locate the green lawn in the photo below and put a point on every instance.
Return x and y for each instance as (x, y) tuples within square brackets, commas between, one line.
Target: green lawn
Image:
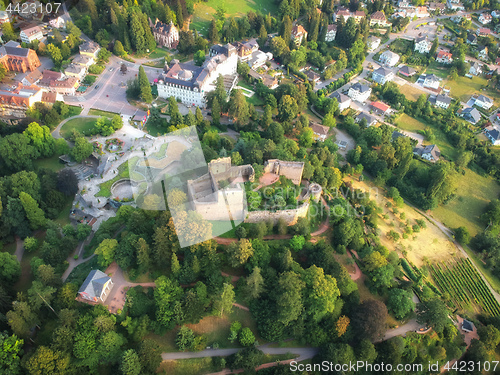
[(437, 69), (473, 195), (158, 52), (53, 163), (204, 11), (464, 87), (74, 111), (83, 125), (255, 100), (123, 172), (63, 217), (98, 112), (411, 92), (411, 124)]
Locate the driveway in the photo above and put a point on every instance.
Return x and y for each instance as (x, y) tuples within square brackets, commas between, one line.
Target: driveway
[(411, 326)]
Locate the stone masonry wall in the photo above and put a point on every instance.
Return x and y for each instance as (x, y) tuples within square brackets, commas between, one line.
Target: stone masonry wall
[(290, 216)]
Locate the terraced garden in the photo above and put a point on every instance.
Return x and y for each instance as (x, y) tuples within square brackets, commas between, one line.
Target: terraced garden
[(465, 286)]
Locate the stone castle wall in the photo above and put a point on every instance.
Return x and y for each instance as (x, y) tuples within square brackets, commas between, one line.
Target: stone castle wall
[(290, 216)]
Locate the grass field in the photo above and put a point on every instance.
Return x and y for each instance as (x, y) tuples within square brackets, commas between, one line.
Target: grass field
[(53, 163), (464, 87), (98, 112), (83, 125), (411, 92), (411, 124), (204, 11), (216, 329), (473, 195), (428, 244), (438, 70)]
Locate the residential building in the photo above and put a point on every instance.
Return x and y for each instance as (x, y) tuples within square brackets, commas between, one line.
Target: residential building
[(407, 71), (389, 58), (331, 33), (312, 76), (423, 44), (15, 103), (443, 101), (32, 78), (475, 69), (90, 49), (320, 131), (454, 6), (298, 34), (430, 81), (259, 58), (4, 17), (84, 60), (485, 18), (17, 59), (343, 100), (483, 31), (373, 43), (165, 35), (370, 120), (57, 22), (436, 7), (482, 53), (245, 50), (493, 133), (422, 12), (382, 75), (444, 57), (191, 83), (30, 34), (66, 86), (431, 152), (471, 114), (483, 102), (49, 98), (379, 108), (96, 286), (378, 19), (76, 70), (471, 39), (405, 4), (357, 15), (359, 92)]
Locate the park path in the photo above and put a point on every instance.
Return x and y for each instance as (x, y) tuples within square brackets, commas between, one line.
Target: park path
[(56, 132), (19, 249), (412, 325), (76, 262)]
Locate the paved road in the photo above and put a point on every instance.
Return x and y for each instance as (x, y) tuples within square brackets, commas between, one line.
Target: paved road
[(302, 353), (411, 326)]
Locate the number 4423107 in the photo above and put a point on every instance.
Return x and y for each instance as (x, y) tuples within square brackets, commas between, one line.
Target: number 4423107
[(33, 8)]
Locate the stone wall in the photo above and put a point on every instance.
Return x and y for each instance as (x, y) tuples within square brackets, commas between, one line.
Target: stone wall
[(290, 169), (290, 216)]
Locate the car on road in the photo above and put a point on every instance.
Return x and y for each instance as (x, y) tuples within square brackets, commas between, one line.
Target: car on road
[(96, 87), (110, 69)]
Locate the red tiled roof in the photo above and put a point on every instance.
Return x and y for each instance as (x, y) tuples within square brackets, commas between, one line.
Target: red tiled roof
[(381, 106)]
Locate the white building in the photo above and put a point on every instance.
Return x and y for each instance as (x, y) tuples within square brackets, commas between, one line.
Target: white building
[(331, 32), (443, 101), (373, 43), (484, 102), (191, 83), (30, 34), (431, 81), (482, 53), (485, 18), (343, 100), (475, 69), (493, 133), (359, 92), (57, 22), (389, 58), (382, 75), (423, 44)]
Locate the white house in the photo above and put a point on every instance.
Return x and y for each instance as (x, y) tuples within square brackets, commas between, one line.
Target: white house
[(389, 58), (444, 57), (359, 92), (373, 43), (423, 44), (76, 70), (431, 152), (190, 84), (443, 101), (57, 22), (485, 18), (378, 19), (493, 133), (343, 100), (382, 75), (475, 69), (320, 131), (31, 33), (430, 81), (482, 52), (484, 102), (331, 32)]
